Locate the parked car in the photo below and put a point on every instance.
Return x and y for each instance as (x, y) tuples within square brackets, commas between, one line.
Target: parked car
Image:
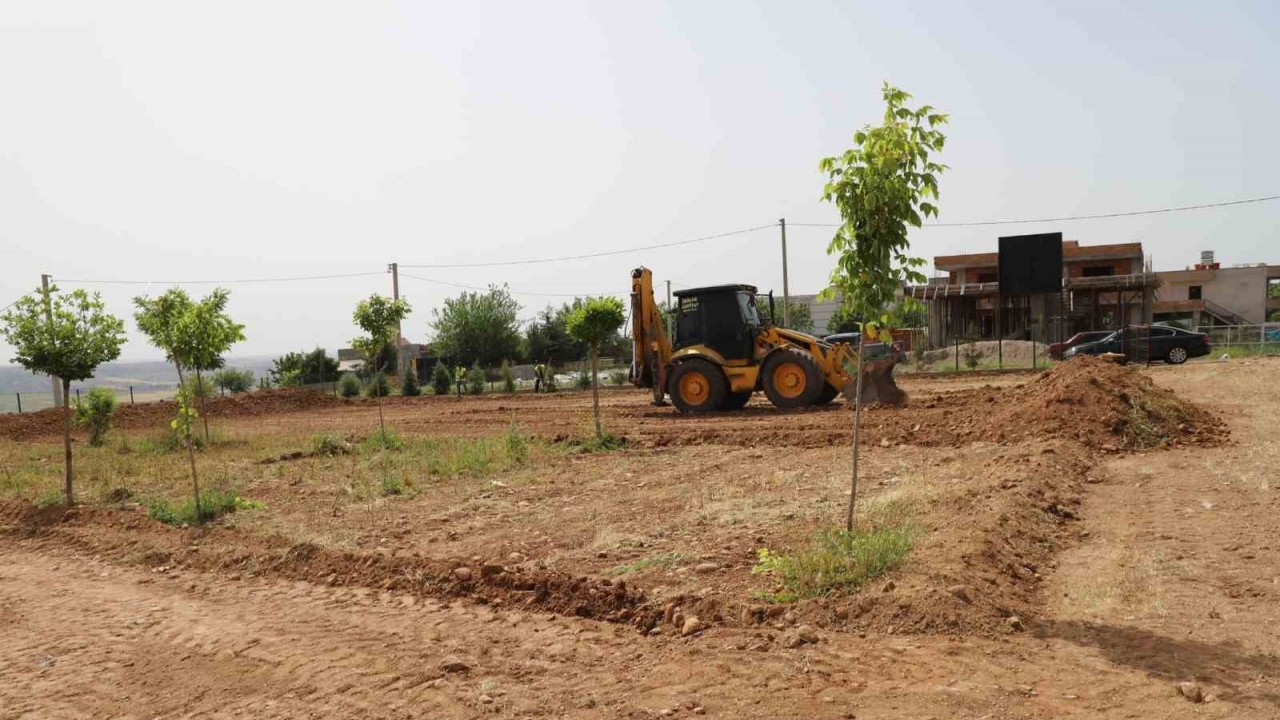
[(1080, 338), (1170, 344)]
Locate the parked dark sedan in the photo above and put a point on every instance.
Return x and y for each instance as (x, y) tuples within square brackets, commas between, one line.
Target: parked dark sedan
[(1162, 342), (1080, 338)]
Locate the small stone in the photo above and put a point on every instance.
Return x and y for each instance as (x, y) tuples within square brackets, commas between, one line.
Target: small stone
[(462, 573), (491, 570), (699, 710), (1191, 691), (807, 633), (793, 641), (454, 665), (691, 625), (706, 567), (888, 587), (884, 442), (332, 579), (485, 700), (655, 631), (602, 554), (1014, 622), (667, 712), (515, 558), (961, 592)]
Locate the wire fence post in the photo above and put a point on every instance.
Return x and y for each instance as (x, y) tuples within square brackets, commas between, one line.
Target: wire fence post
[(957, 353), (130, 394), (19, 395), (77, 395)]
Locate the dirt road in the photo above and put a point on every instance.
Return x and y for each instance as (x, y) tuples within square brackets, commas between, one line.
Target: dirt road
[(1172, 577)]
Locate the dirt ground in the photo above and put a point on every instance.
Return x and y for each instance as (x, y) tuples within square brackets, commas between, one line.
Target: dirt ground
[(1062, 572)]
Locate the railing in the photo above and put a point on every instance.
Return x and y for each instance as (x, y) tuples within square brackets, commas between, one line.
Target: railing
[(1223, 313), (1239, 340)]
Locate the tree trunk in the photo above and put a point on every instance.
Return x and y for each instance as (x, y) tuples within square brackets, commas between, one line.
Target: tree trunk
[(66, 439), (857, 427), (595, 395), (200, 404), (191, 455), (377, 394)]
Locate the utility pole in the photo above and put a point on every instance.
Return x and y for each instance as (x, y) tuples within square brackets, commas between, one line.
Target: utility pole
[(48, 316), (394, 269), (786, 289), (668, 295)]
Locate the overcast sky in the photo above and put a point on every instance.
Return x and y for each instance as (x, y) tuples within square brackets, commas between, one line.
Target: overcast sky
[(172, 141)]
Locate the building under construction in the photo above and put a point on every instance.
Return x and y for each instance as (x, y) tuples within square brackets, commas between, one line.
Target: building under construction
[(1104, 287)]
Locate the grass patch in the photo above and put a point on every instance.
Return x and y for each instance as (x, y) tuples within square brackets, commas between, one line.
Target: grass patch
[(593, 443), (661, 560), (384, 439), (167, 442), (329, 445), (836, 560), (212, 504), (393, 486), (516, 444)]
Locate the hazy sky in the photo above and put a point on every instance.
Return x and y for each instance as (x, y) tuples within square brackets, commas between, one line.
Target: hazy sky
[(171, 141)]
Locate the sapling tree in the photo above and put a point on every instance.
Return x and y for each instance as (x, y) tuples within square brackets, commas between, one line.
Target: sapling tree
[(881, 186), (594, 322), (192, 334), (378, 317), (67, 336)]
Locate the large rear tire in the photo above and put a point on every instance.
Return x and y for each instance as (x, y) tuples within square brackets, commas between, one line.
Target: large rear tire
[(736, 400), (697, 386), (792, 379)]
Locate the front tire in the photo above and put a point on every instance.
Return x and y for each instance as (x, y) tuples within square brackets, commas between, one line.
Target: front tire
[(792, 379), (1176, 356), (697, 386)]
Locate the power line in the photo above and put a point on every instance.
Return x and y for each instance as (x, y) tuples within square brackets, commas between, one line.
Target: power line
[(222, 282), (606, 253), (513, 292), (1179, 208)]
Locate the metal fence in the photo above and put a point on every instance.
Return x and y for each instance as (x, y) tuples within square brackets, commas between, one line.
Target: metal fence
[(25, 402), (1263, 339)]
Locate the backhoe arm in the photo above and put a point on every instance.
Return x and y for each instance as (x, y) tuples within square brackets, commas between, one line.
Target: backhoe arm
[(652, 345)]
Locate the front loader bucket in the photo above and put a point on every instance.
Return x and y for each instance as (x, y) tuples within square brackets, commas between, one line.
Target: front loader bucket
[(878, 385)]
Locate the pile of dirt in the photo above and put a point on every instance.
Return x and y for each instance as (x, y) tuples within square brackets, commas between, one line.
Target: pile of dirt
[(1105, 406), (48, 422)]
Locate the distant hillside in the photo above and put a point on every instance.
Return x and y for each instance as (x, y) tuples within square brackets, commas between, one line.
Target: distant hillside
[(144, 376)]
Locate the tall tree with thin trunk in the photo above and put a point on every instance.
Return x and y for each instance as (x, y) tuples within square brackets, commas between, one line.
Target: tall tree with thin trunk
[(593, 322), (68, 337), (881, 186), (378, 317), (192, 335)]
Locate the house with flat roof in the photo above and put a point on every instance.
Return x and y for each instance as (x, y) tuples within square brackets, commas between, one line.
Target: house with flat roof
[(1208, 294), (1103, 287)]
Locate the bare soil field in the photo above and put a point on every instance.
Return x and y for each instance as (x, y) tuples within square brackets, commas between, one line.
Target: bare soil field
[(1083, 540)]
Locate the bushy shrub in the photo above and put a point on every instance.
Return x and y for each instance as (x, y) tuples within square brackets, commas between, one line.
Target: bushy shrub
[(94, 412), (378, 386), (212, 504), (508, 377), (349, 385), (619, 377), (409, 384), (441, 380), (475, 380), (583, 379), (234, 381)]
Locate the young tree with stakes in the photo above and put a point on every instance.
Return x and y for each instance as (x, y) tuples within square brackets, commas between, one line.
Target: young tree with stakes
[(881, 187), (378, 317), (66, 336), (593, 322)]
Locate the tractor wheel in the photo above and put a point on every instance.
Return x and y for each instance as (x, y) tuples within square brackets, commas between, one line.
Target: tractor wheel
[(697, 386), (736, 400), (792, 379), (829, 393)]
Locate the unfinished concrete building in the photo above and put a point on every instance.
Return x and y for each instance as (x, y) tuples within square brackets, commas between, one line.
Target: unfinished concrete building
[(1104, 287)]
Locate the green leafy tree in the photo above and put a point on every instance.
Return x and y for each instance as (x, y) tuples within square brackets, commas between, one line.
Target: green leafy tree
[(882, 186), (409, 384), (441, 379), (94, 413), (193, 334), (80, 336), (593, 322), (478, 327), (379, 317), (349, 385), (309, 368), (234, 381), (843, 320), (801, 317), (475, 380)]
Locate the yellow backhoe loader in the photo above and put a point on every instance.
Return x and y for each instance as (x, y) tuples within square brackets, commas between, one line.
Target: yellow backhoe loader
[(722, 351)]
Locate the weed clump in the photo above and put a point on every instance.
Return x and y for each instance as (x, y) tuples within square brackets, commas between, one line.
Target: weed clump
[(384, 439), (212, 504), (661, 560)]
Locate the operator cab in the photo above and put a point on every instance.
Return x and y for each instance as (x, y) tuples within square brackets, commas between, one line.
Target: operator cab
[(724, 318)]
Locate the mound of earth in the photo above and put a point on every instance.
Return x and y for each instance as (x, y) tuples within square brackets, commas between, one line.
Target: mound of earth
[(48, 422), (1103, 405)]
